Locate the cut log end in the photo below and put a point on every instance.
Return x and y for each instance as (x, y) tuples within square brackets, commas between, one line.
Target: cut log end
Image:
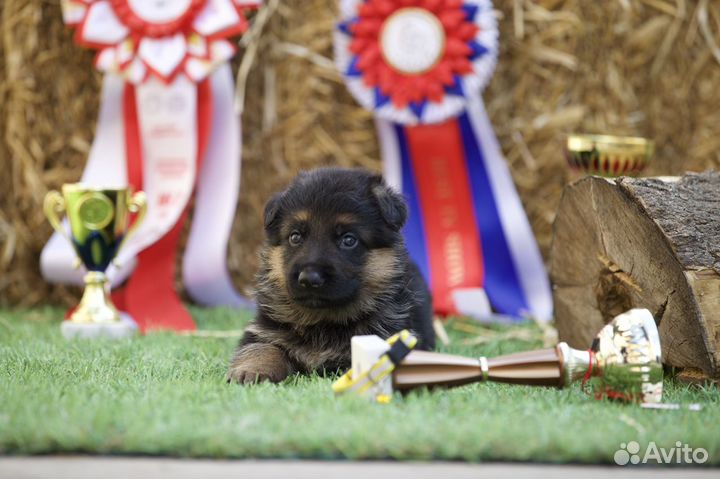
[(642, 243)]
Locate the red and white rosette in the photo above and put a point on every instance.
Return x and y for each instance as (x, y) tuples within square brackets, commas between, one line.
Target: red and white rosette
[(167, 127), (419, 66)]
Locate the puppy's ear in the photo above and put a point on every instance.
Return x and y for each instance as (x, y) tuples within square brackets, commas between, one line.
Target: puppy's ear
[(392, 206), (271, 217)]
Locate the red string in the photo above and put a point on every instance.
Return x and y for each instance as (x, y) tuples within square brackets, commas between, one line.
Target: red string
[(588, 373), (610, 394)]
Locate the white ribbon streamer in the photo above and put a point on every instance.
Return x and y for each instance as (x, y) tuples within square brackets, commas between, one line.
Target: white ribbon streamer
[(390, 153), (521, 240), (205, 271)]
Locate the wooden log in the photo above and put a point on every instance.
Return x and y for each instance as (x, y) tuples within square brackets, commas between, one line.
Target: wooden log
[(642, 243)]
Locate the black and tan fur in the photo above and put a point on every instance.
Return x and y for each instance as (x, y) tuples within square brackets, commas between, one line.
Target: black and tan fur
[(317, 286)]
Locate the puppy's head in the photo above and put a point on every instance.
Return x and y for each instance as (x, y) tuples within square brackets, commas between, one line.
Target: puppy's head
[(334, 238)]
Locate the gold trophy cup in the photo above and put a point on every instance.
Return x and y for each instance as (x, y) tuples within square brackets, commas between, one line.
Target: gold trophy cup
[(99, 220)]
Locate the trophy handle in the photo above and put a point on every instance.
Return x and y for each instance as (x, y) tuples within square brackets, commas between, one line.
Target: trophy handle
[(53, 206), (137, 204)]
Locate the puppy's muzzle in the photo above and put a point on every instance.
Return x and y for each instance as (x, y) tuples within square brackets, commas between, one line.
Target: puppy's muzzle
[(311, 277)]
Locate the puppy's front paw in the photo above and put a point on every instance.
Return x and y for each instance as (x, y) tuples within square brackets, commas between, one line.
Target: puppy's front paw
[(257, 362), (251, 374)]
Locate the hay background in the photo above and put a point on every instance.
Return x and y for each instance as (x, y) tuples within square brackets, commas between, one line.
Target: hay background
[(645, 67)]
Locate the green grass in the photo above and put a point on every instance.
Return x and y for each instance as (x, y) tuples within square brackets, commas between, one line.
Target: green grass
[(165, 394)]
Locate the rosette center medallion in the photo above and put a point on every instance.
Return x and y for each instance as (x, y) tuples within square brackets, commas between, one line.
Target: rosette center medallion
[(412, 41)]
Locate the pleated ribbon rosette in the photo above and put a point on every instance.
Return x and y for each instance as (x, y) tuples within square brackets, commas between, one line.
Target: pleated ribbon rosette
[(420, 66), (167, 127)]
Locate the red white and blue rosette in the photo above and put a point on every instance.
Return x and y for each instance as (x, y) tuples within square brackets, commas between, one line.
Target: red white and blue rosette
[(419, 66), (412, 62)]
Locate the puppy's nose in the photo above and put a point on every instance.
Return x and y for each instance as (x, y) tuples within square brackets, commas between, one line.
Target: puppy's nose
[(311, 278)]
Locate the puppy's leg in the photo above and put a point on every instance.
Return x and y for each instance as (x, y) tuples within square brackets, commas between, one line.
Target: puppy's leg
[(255, 362)]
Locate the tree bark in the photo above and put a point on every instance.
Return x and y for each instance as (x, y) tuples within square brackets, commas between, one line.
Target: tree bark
[(642, 243)]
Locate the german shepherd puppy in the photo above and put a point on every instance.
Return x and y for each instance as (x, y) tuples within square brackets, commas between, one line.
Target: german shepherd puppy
[(334, 265)]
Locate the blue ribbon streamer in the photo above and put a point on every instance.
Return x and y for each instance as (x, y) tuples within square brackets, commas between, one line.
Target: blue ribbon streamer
[(502, 281), (414, 230)]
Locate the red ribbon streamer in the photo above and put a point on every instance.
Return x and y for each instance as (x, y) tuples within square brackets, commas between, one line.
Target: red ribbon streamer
[(150, 296), (453, 241)]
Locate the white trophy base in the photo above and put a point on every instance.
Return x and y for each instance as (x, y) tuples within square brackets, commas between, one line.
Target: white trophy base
[(366, 350), (125, 328)]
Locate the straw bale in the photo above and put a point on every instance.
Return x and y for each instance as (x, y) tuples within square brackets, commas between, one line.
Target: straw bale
[(640, 67)]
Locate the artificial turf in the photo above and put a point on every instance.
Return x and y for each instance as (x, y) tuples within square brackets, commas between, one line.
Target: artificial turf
[(165, 394)]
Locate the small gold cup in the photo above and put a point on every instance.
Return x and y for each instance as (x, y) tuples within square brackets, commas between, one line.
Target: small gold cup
[(100, 223), (608, 155)]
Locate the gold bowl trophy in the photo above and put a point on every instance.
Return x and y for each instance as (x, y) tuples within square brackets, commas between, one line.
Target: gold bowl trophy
[(624, 363), (99, 220), (608, 155)]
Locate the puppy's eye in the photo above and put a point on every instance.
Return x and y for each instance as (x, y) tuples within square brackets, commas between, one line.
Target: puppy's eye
[(295, 238), (348, 241)]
